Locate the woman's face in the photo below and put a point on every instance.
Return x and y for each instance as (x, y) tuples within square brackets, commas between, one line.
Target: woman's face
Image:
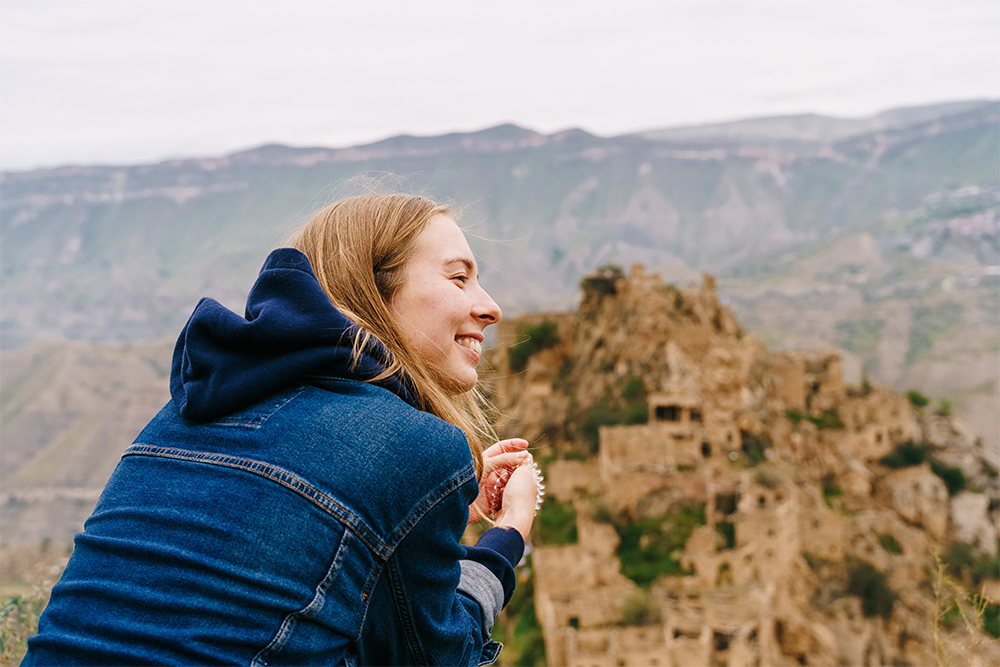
[(440, 307)]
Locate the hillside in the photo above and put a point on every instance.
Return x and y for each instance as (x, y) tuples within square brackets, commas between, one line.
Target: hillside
[(881, 240), (713, 502)]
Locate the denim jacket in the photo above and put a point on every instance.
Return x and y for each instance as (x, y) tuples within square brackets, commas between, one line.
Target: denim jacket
[(318, 524)]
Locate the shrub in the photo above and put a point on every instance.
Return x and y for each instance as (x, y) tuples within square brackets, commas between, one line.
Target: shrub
[(645, 560), (889, 543), (557, 522), (830, 490), (917, 399), (754, 445), (870, 584), (630, 409), (640, 609), (905, 455), (828, 419), (602, 282), (944, 407), (991, 620), (953, 477), (535, 339), (519, 630), (728, 532), (601, 513), (965, 563)]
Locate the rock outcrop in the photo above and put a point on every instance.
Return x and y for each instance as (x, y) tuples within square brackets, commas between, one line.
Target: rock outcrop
[(734, 506)]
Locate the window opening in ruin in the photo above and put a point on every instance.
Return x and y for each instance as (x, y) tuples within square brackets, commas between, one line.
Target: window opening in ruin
[(762, 501), (706, 450), (574, 622), (695, 415), (721, 641), (724, 577), (725, 503), (668, 413)]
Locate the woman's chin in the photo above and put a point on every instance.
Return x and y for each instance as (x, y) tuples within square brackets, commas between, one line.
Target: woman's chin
[(459, 382)]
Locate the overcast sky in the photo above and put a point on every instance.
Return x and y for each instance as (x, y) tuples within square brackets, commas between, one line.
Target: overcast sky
[(133, 81)]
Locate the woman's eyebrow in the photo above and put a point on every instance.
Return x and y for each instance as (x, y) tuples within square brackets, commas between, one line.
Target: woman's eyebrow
[(470, 265)]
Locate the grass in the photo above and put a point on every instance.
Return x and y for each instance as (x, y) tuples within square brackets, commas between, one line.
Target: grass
[(28, 575), (18, 621)]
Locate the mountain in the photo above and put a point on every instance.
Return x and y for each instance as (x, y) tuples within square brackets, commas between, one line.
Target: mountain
[(881, 240)]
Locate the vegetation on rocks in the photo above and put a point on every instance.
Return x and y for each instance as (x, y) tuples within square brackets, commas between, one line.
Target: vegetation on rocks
[(531, 340), (557, 523), (652, 547)]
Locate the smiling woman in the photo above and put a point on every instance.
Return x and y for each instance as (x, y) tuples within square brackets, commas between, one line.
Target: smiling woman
[(441, 306), (302, 498)]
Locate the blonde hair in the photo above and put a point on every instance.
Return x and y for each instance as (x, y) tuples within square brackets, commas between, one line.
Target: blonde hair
[(359, 248)]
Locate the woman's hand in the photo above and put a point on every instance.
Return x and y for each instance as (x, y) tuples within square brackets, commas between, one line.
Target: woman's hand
[(499, 461), (519, 497)]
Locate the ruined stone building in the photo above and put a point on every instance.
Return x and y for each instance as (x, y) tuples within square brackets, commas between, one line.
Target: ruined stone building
[(785, 461)]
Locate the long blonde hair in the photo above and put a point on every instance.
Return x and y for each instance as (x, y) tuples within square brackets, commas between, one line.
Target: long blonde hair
[(359, 248)]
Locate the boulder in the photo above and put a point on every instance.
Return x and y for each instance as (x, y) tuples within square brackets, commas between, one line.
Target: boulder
[(970, 521), (918, 496)]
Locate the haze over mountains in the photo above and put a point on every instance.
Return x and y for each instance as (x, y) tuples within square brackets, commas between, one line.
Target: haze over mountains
[(879, 236)]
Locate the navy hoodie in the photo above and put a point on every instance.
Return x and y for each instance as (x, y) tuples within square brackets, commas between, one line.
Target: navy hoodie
[(223, 363)]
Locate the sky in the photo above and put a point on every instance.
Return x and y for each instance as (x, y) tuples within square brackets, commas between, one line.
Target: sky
[(138, 81)]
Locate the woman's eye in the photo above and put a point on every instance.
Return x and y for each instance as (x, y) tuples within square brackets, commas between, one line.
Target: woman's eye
[(461, 278)]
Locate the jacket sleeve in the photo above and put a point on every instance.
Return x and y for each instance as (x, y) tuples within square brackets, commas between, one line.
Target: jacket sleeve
[(446, 597)]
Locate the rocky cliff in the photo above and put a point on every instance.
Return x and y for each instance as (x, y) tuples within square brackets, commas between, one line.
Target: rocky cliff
[(716, 503)]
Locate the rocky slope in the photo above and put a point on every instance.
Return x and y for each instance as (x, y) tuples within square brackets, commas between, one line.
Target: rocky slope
[(714, 502)]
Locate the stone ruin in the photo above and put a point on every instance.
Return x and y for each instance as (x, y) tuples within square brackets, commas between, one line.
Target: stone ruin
[(775, 446)]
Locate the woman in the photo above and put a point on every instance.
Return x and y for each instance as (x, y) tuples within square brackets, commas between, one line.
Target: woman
[(302, 497)]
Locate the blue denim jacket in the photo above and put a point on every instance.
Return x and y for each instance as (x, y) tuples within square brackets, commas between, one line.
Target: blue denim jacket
[(318, 525)]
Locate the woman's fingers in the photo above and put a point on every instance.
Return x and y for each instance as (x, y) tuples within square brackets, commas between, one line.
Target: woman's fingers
[(503, 462), (519, 495), (505, 446)]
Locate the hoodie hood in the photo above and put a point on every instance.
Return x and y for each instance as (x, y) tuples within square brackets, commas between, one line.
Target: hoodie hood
[(223, 362)]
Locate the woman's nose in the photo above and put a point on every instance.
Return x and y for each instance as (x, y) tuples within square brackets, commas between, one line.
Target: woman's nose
[(486, 310)]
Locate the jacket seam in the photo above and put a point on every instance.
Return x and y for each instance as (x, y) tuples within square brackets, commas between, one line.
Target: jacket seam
[(399, 534), (278, 475), (314, 607)]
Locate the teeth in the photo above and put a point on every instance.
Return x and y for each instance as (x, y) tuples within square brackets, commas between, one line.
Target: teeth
[(472, 344)]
